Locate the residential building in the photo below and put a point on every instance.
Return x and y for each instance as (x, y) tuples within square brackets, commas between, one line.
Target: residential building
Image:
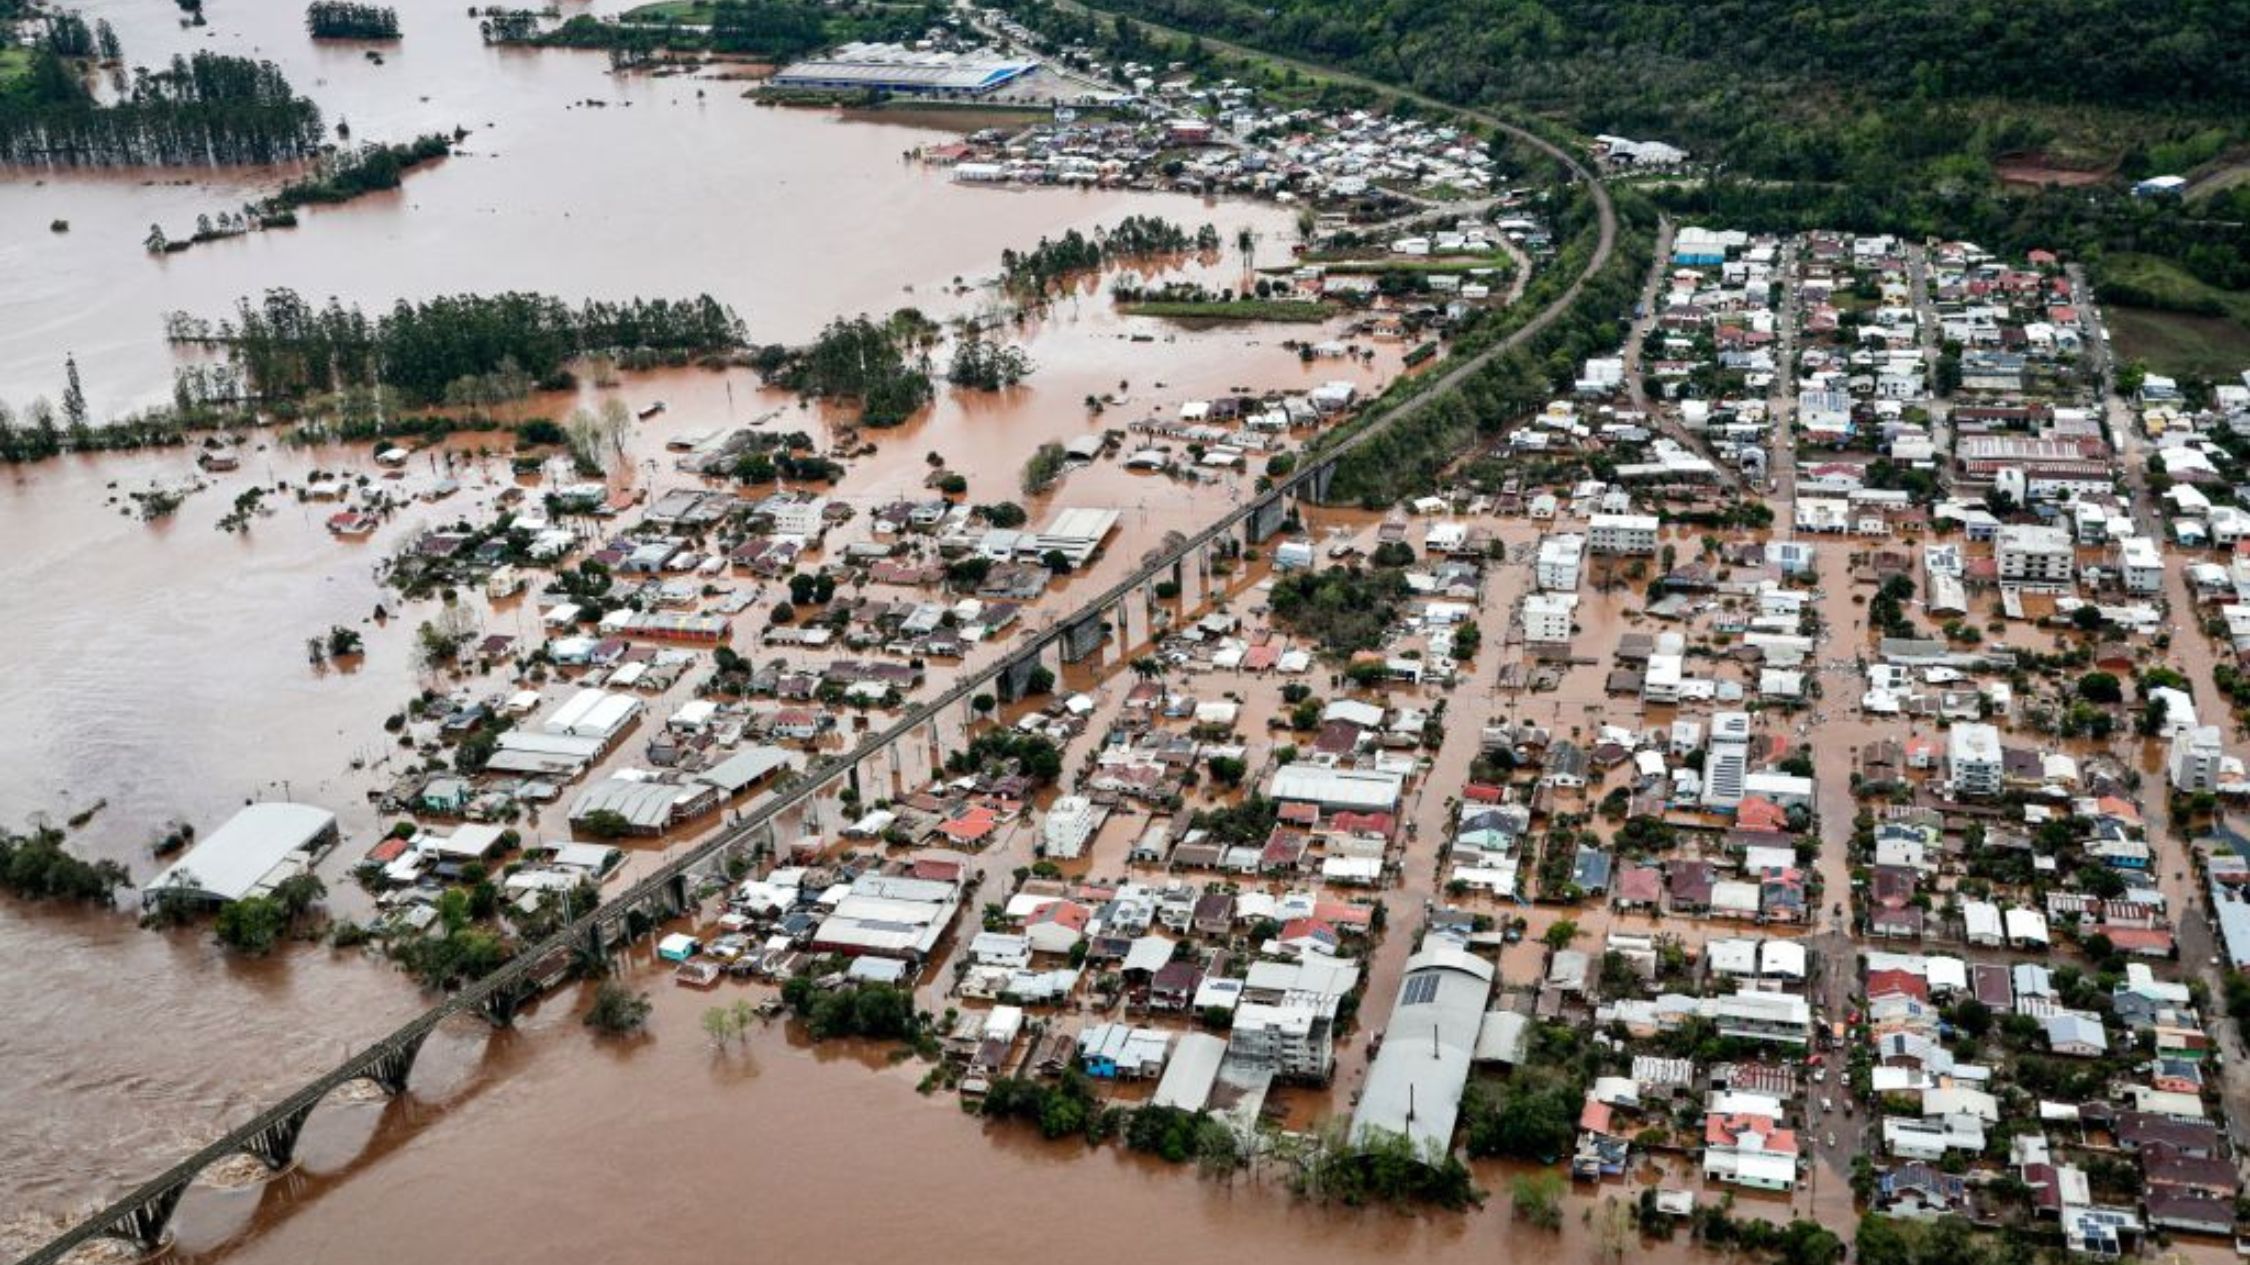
[(2195, 759), (1974, 758), (1069, 825), (2035, 554), (1632, 534), (1560, 558), (1547, 618)]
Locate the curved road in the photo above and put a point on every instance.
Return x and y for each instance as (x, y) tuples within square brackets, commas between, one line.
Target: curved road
[(520, 976)]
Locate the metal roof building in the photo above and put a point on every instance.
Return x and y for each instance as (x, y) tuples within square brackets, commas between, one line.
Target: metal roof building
[(1414, 1087), (893, 68), (1073, 533), (648, 807), (254, 851), (1348, 790)]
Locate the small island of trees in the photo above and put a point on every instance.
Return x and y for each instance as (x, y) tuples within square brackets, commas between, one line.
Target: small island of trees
[(339, 20), (286, 348), (205, 110)]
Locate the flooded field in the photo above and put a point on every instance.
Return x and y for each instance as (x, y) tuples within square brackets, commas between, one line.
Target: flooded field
[(160, 670)]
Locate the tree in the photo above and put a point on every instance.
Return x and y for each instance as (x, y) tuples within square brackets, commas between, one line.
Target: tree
[(2101, 687), (1005, 515), (1044, 466), (1227, 771), (605, 823), (254, 924), (616, 425), (1559, 935), (1537, 1198), (617, 1009), (74, 394), (726, 1025), (1614, 1230)]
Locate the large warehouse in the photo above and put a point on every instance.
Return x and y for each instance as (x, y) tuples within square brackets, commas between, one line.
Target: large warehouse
[(1414, 1087), (905, 71), (251, 854)]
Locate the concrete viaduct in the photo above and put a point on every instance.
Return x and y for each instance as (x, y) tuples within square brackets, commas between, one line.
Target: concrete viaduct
[(1118, 621)]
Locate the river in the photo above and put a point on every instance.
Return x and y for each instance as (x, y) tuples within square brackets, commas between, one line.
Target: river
[(159, 669)]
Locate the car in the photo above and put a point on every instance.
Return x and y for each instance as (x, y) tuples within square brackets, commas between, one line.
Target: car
[(1827, 1104), (1820, 1076)]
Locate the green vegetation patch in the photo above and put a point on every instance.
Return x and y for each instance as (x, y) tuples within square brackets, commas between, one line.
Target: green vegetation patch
[(1306, 310), (2179, 345)]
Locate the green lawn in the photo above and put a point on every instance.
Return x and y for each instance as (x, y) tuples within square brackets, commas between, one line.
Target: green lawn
[(670, 11), (2176, 322), (2168, 285), (13, 63), (2178, 345), (1304, 310)]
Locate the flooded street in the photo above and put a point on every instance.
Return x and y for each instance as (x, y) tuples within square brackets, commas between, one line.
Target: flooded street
[(161, 671)]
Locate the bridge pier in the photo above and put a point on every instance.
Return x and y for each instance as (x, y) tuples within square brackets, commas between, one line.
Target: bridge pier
[(594, 952), (1013, 680), (1264, 521), (1082, 639), (395, 1064), (1195, 579), (1315, 488), (501, 1006), (1134, 621), (143, 1226), (276, 1144)]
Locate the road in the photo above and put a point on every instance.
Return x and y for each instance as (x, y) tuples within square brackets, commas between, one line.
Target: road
[(2195, 655)]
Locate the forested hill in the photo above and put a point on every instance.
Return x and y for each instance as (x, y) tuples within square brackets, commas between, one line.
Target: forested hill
[(1759, 73)]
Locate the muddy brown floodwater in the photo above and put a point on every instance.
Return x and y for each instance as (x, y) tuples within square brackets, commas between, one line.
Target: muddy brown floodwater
[(160, 669), (542, 1146)]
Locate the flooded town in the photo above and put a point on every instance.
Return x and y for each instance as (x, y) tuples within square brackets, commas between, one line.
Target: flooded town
[(687, 629)]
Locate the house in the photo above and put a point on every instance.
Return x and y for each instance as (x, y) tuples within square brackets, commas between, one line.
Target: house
[(1116, 1051), (1057, 926), (1920, 1190), (2075, 1034), (1743, 1149)]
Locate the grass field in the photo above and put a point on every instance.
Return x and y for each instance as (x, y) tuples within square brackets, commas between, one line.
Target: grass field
[(1294, 310), (2170, 286), (670, 11), (2178, 345), (13, 63), (2179, 325)]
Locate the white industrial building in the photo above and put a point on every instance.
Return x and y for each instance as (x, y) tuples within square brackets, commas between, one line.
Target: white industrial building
[(889, 916), (1413, 1088), (250, 855), (1073, 533), (895, 68), (1337, 790)]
